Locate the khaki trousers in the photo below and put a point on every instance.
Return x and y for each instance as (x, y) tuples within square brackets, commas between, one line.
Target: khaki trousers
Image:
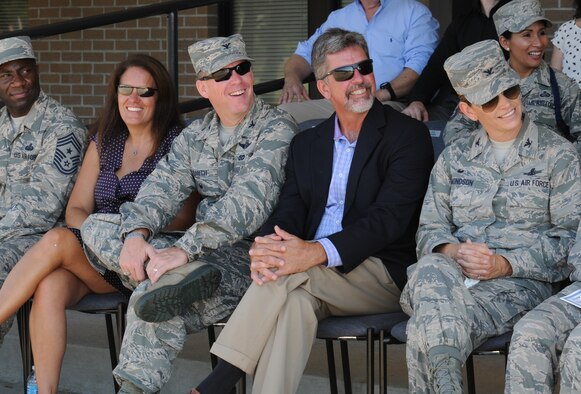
[(271, 332)]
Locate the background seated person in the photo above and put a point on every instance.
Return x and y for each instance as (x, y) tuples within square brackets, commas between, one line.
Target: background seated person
[(522, 31), (432, 97), (566, 55), (401, 35), (497, 223)]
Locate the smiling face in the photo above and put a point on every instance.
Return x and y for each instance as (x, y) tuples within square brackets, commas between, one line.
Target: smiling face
[(503, 123), (137, 111), (232, 99), (19, 86), (526, 48), (353, 95)]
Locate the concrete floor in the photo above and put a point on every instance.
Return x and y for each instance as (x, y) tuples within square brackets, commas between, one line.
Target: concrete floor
[(87, 369)]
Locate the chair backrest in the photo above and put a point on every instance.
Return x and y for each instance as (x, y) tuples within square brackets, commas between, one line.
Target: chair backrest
[(436, 128), (309, 124)]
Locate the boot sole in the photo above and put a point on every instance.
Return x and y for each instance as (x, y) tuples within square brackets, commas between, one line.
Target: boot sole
[(166, 302)]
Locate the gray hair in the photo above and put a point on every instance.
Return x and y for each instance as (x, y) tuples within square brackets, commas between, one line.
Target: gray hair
[(332, 41)]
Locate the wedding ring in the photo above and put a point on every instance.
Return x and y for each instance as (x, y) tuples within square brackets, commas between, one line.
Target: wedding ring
[(155, 270), (125, 273)]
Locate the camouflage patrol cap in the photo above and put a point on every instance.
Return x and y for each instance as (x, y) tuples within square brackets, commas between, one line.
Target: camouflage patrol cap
[(479, 72), (517, 15), (14, 48), (211, 55)]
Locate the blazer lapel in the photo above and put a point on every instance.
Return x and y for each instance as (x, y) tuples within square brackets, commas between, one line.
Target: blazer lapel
[(369, 137), (322, 160)]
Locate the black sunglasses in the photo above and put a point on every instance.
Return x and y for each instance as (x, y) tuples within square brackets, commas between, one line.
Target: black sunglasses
[(225, 73), (345, 73), (126, 90), (510, 93)]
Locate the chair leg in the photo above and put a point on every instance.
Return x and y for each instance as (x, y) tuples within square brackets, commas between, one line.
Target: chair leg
[(470, 374), (211, 340), (241, 385), (112, 346), (370, 359), (346, 368), (22, 317), (331, 365), (382, 363)]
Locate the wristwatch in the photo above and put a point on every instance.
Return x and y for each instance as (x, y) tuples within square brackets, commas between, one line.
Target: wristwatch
[(387, 86)]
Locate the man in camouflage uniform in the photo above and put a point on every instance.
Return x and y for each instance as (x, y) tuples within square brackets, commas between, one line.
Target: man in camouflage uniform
[(537, 96), (234, 158), (41, 145), (497, 223), (549, 329)]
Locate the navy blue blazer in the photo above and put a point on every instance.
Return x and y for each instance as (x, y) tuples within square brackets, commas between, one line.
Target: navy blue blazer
[(385, 189)]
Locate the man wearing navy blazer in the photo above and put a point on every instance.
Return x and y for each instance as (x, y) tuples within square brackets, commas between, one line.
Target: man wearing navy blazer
[(342, 234)]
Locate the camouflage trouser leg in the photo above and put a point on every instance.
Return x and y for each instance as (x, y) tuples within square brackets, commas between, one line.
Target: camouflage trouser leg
[(538, 338), (445, 313), (571, 362), (103, 245), (149, 349), (11, 251)]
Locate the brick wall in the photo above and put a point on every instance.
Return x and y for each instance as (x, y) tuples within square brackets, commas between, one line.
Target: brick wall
[(558, 11), (75, 67)]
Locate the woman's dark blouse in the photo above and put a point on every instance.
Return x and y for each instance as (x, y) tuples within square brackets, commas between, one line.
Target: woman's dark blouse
[(110, 191)]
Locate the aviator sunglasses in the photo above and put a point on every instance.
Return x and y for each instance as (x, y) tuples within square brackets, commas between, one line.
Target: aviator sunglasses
[(345, 73), (126, 90), (510, 93), (225, 73)]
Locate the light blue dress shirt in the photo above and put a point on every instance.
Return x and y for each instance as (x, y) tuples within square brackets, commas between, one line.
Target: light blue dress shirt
[(402, 33), (333, 216)]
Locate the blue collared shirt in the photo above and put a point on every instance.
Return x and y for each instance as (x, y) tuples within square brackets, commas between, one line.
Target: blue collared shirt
[(402, 33), (333, 216)]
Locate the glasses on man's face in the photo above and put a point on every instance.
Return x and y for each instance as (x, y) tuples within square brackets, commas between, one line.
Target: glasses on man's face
[(126, 90), (345, 73), (225, 73), (510, 93)]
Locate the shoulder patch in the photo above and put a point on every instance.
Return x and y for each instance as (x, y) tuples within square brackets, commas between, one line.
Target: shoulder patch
[(68, 154)]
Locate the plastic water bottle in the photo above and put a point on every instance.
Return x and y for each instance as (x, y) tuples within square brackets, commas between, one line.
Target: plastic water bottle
[(31, 386)]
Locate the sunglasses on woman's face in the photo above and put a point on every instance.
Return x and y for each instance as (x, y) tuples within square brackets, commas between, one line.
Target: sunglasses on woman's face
[(225, 73), (510, 93), (345, 73), (126, 90)]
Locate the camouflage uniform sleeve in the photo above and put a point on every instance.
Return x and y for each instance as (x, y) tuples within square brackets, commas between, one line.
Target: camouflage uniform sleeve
[(459, 126), (239, 212), (163, 192), (574, 259), (436, 226), (39, 201), (251, 197), (538, 260), (571, 107)]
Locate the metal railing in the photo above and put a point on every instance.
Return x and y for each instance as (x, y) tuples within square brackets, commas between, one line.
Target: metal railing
[(169, 8)]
